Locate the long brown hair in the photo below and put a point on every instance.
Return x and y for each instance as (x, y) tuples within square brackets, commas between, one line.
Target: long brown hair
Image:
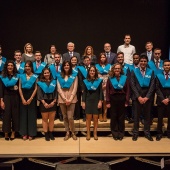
[(96, 73), (111, 72), (62, 68), (99, 59), (85, 51), (42, 78)]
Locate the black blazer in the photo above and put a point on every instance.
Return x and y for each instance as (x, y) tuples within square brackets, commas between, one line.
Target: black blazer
[(138, 91), (112, 58), (145, 53), (66, 56), (162, 93)]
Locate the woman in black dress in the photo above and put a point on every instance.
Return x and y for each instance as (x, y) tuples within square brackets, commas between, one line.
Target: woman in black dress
[(47, 95), (28, 103), (92, 99), (10, 99)]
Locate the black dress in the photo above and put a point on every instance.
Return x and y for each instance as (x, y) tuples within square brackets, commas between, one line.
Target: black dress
[(48, 97), (91, 99)]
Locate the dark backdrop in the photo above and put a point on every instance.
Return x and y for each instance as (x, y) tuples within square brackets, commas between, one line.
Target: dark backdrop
[(84, 22)]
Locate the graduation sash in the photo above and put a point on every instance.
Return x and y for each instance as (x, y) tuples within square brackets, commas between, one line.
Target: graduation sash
[(46, 88), (83, 71), (118, 84), (66, 83), (156, 70), (53, 70), (165, 83), (103, 70), (3, 63), (92, 85), (143, 81), (40, 68), (10, 82), (21, 68), (75, 71), (27, 84), (125, 68)]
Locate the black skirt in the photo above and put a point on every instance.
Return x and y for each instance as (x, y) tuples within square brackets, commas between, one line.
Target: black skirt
[(43, 109)]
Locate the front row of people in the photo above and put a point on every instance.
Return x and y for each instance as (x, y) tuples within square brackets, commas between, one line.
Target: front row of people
[(63, 90)]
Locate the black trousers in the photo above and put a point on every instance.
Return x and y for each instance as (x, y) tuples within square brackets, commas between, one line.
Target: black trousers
[(117, 115), (163, 110), (145, 109), (11, 113)]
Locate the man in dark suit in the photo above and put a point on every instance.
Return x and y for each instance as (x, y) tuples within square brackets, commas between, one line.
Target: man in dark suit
[(149, 52), (163, 98), (111, 57), (70, 53), (142, 85)]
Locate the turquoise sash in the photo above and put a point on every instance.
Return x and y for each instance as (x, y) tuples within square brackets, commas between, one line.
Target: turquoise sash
[(92, 85), (27, 84), (156, 70), (83, 71), (46, 88), (125, 68), (10, 82), (3, 63), (40, 68), (165, 83), (66, 83), (21, 68), (103, 70), (143, 81), (53, 70), (75, 71), (118, 84)]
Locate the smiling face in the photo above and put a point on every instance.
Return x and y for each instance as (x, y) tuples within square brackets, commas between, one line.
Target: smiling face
[(136, 59), (103, 59), (46, 74), (10, 67), (53, 50), (107, 47), (166, 66), (18, 56), (57, 58), (38, 57), (92, 72), (74, 61), (117, 70), (127, 39), (157, 54), (120, 59), (28, 48), (66, 67), (149, 47), (27, 68), (143, 63), (70, 47)]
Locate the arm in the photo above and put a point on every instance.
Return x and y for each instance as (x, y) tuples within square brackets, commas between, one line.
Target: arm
[(84, 96), (60, 91), (2, 95), (21, 94), (127, 91), (74, 91), (100, 96)]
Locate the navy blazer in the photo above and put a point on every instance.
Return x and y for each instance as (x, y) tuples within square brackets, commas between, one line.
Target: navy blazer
[(145, 53), (112, 58)]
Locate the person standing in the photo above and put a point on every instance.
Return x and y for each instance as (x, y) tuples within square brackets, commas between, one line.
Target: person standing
[(149, 52), (142, 85), (117, 98), (47, 95), (67, 85), (9, 96), (28, 53), (2, 60), (92, 99), (28, 103), (127, 49)]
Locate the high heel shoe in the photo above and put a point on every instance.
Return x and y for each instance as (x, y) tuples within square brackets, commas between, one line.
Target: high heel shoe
[(51, 136), (88, 135), (95, 135), (12, 136), (24, 137), (67, 136), (6, 137)]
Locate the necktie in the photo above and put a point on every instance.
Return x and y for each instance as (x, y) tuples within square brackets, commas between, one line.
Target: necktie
[(167, 76), (107, 55), (38, 64), (149, 56), (71, 54), (157, 62)]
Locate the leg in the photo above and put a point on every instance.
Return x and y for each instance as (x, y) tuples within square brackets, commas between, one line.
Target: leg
[(104, 111), (88, 123), (168, 115), (45, 125), (51, 124), (95, 120)]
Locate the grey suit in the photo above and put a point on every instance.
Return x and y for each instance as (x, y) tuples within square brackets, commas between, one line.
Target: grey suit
[(66, 56), (145, 53), (112, 58), (138, 91)]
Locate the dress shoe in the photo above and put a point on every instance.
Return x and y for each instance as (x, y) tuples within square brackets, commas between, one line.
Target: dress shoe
[(158, 137), (149, 137), (12, 138), (120, 138), (115, 138), (7, 138), (135, 137), (61, 118), (88, 135), (74, 136), (51, 136), (67, 136), (47, 138), (131, 121), (95, 135), (24, 137)]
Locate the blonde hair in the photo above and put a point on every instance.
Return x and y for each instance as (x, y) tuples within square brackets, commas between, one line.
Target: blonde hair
[(25, 51)]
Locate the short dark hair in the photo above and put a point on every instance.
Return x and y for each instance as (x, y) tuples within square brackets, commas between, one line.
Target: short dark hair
[(120, 53), (17, 51), (143, 57), (166, 60), (136, 54)]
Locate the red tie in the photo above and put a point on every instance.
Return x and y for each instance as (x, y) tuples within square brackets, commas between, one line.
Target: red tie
[(167, 76), (56, 68), (157, 62), (38, 64)]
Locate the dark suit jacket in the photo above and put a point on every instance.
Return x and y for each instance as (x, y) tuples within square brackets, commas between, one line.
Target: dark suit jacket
[(138, 91), (66, 56), (93, 60), (145, 53), (112, 58), (162, 93)]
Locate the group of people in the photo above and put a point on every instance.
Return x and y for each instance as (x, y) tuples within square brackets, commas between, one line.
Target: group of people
[(89, 85)]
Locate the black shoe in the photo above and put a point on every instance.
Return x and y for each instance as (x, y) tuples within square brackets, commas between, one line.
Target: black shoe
[(158, 137), (149, 137), (127, 118), (47, 138), (135, 137), (7, 138), (142, 121), (120, 138), (131, 121), (115, 138), (168, 137), (84, 118), (51, 136)]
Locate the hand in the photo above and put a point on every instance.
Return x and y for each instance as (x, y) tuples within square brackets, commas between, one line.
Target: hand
[(104, 87), (165, 101), (99, 105), (2, 105), (29, 101), (68, 102), (24, 102), (51, 104), (126, 105), (108, 105), (83, 105), (140, 99), (46, 105), (145, 99)]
